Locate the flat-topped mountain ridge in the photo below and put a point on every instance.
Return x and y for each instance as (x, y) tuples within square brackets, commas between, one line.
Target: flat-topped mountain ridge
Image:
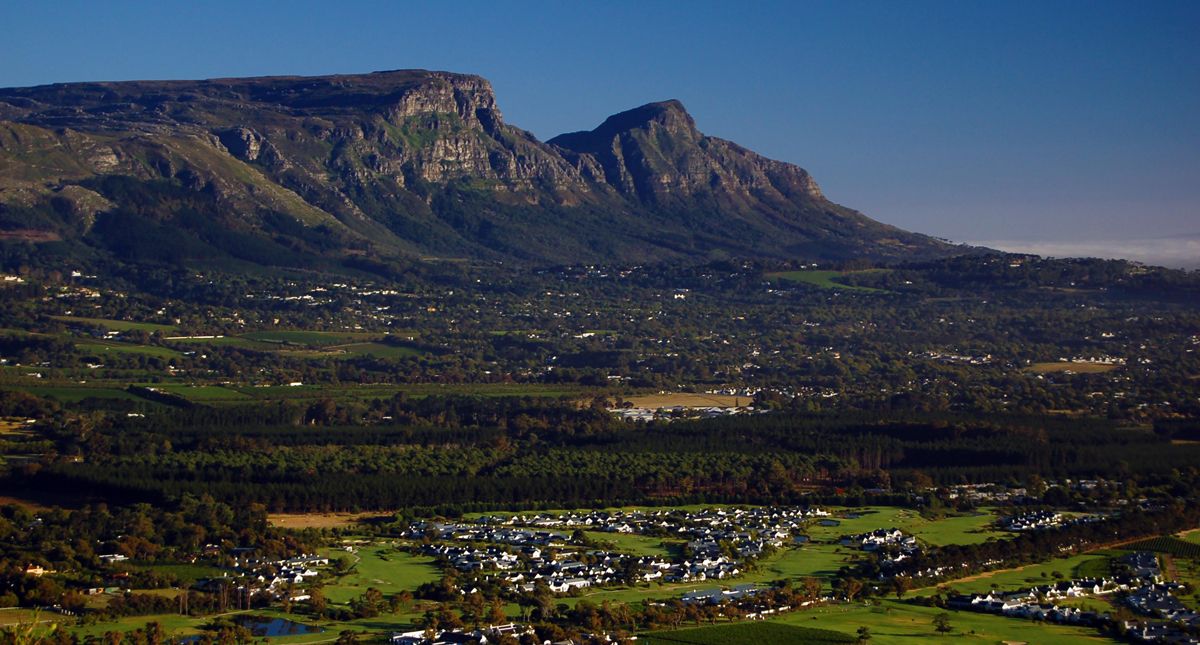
[(366, 167)]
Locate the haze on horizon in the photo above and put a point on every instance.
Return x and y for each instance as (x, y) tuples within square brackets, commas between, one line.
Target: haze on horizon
[(1063, 128)]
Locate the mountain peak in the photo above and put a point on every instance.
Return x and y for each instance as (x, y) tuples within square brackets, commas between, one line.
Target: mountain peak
[(669, 115)]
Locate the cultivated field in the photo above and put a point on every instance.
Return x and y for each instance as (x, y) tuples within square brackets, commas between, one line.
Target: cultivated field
[(825, 279)]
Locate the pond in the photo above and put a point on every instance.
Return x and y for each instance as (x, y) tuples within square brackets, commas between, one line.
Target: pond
[(264, 626)]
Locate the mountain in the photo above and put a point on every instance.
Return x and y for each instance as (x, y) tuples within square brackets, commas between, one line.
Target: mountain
[(362, 168)]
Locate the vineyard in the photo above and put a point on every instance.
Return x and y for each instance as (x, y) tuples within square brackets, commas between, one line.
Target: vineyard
[(1169, 545)]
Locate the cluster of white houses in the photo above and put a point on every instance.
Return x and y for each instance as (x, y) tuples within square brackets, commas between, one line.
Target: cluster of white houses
[(674, 522), (1039, 520), (1139, 585), (524, 551)]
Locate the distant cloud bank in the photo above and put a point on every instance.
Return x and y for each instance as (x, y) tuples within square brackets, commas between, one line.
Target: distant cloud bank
[(1182, 252)]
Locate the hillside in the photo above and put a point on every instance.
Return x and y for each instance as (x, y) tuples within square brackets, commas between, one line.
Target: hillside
[(357, 169)]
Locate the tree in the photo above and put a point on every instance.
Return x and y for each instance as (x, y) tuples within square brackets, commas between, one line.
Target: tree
[(317, 601), (864, 634), (496, 615), (941, 623)]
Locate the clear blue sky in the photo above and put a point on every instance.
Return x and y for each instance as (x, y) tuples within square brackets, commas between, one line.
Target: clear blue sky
[(965, 119)]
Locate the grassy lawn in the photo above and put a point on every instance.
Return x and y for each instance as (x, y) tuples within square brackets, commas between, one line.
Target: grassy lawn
[(378, 350), (16, 616), (815, 560), (638, 544), (181, 626), (102, 347), (187, 573), (173, 624), (117, 325), (1029, 575), (752, 633), (384, 568), (894, 623), (825, 279), (964, 529)]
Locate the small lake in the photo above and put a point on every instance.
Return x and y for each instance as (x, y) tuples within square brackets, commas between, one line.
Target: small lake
[(263, 626)]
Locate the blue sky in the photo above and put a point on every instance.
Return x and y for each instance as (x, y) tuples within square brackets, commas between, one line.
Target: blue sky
[(1048, 121)]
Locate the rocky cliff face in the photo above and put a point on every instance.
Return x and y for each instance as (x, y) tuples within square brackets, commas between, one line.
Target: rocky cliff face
[(407, 162)]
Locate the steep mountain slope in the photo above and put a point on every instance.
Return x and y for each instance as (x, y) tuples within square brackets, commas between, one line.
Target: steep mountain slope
[(358, 168)]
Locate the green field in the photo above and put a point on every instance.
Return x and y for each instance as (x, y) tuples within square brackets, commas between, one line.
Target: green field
[(638, 544), (200, 393), (754, 633), (825, 279), (117, 325), (896, 623), (77, 393), (185, 572), (378, 350), (181, 626), (1029, 575), (383, 568), (963, 529), (102, 347), (229, 341), (310, 338), (17, 616), (1168, 544)]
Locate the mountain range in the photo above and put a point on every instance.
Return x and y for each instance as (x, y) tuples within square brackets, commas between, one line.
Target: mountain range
[(401, 164)]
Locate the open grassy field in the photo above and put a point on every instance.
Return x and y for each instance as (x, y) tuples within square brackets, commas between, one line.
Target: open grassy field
[(310, 338), (1079, 367), (117, 325), (228, 341), (378, 350), (961, 529), (186, 572), (824, 279), (182, 626), (1026, 576), (752, 633), (897, 623), (638, 544), (16, 616), (687, 400), (1192, 536), (383, 568), (201, 393), (103, 347)]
